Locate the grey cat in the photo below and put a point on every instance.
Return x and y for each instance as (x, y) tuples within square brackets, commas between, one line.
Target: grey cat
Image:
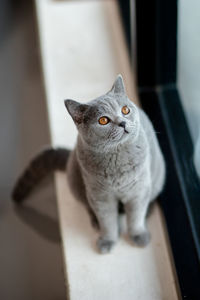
[(117, 158)]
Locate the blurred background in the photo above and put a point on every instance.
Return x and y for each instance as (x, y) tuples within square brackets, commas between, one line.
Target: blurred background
[(188, 68), (31, 265)]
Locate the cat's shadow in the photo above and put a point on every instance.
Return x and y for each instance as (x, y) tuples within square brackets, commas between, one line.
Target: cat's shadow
[(48, 227), (42, 224)]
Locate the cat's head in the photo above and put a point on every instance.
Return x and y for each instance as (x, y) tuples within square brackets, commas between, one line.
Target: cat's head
[(108, 120)]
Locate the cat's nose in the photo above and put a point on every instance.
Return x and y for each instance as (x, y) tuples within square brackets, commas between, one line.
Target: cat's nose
[(122, 124)]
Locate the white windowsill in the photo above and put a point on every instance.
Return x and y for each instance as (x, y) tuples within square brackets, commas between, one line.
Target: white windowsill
[(82, 51)]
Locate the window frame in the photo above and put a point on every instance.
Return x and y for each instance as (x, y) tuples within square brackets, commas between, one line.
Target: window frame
[(155, 23)]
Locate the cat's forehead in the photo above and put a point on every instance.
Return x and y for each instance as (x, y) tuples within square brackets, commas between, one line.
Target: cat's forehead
[(105, 105), (111, 103)]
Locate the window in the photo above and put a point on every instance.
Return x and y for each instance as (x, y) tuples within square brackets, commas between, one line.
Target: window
[(164, 98)]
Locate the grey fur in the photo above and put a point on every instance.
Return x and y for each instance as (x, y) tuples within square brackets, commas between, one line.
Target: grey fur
[(112, 163)]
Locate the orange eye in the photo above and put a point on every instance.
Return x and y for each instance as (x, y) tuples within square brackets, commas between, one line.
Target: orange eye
[(125, 110), (103, 120)]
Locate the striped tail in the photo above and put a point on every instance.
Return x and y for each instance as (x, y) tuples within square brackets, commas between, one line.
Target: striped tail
[(43, 164)]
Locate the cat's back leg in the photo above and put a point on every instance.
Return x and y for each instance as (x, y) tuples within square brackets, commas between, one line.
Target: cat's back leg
[(158, 176), (77, 186), (75, 179), (156, 159)]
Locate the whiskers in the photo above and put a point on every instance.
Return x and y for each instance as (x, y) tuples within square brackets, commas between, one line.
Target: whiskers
[(114, 135)]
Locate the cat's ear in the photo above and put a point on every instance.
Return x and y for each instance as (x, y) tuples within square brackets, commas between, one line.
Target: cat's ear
[(76, 110), (118, 86)]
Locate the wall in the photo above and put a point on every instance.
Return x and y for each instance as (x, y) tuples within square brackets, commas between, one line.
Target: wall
[(31, 265)]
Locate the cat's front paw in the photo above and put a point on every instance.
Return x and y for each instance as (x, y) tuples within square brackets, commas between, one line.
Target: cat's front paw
[(104, 246), (141, 239)]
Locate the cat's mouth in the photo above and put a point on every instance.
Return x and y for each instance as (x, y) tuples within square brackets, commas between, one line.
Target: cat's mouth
[(126, 130)]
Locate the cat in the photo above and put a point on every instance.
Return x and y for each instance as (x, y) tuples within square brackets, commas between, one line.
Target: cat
[(117, 160)]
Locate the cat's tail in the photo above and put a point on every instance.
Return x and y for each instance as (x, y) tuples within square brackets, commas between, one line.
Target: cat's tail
[(44, 163)]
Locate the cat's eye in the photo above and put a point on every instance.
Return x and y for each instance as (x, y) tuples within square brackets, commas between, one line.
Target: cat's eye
[(125, 110), (103, 120)]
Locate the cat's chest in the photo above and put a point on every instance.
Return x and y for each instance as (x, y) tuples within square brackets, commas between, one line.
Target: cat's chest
[(117, 164), (120, 169), (114, 169)]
